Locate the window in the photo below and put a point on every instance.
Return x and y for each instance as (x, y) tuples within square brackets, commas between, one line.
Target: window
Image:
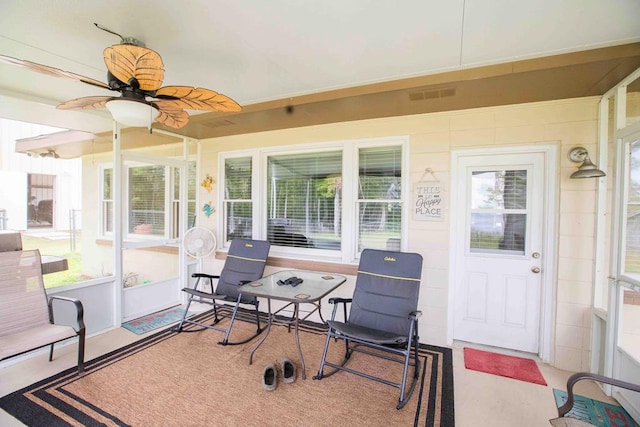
[(304, 200), (331, 202), (146, 197), (379, 198), (150, 210), (629, 260), (498, 211), (631, 264), (107, 201), (191, 198), (237, 205)]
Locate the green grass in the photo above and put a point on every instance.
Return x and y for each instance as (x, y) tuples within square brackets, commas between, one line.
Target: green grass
[(62, 248)]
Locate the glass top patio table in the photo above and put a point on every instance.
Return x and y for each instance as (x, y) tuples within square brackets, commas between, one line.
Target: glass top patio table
[(315, 285)]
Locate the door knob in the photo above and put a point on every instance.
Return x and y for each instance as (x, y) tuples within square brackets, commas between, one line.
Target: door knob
[(535, 270)]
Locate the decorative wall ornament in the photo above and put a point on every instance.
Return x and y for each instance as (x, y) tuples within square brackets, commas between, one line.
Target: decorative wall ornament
[(208, 182), (208, 209), (428, 198)]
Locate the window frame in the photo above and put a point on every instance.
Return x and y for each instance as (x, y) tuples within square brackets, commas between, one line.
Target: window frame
[(349, 230), (171, 222), (630, 280)]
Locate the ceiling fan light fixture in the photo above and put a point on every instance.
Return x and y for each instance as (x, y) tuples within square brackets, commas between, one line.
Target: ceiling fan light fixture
[(133, 113)]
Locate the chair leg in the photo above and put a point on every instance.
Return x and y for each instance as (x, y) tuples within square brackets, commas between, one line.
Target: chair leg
[(403, 385), (216, 319), (184, 315), (416, 345), (320, 373), (225, 340), (406, 395), (51, 353), (81, 337)]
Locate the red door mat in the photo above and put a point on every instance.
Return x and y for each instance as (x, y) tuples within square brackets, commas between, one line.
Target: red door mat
[(518, 368)]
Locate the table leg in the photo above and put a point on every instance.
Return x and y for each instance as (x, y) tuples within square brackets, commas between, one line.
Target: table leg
[(319, 308), (265, 334), (297, 321)]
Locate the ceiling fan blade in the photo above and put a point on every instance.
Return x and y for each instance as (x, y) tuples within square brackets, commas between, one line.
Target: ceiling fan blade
[(126, 60), (196, 98), (51, 71), (170, 116), (85, 103)]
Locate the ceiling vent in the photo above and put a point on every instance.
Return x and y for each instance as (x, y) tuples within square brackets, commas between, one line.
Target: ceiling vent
[(421, 95)]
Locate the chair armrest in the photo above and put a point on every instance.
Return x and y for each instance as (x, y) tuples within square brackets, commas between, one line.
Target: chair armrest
[(337, 300), (415, 314), (204, 275), (573, 379), (78, 305)]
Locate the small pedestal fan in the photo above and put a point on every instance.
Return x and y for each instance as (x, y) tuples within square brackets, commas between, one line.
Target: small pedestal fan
[(199, 243)]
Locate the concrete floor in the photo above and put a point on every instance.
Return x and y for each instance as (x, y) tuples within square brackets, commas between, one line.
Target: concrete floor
[(480, 399)]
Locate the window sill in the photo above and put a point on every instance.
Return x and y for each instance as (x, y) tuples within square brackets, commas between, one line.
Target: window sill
[(300, 264)]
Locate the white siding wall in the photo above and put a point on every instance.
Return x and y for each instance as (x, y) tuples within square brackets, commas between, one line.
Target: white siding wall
[(567, 123)]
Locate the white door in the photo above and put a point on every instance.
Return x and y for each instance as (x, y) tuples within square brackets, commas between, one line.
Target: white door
[(498, 229), (151, 273)]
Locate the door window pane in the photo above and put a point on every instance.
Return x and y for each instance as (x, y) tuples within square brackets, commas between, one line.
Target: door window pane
[(498, 221)]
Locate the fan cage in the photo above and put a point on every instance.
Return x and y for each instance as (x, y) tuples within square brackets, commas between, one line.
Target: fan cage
[(199, 242)]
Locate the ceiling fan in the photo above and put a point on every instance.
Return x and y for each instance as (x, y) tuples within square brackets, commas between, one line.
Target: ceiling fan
[(137, 72)]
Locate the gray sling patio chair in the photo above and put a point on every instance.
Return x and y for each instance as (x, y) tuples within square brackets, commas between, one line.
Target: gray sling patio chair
[(246, 260), (27, 314), (383, 316)]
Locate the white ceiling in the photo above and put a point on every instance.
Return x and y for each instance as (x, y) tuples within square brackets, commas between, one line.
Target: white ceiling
[(262, 50)]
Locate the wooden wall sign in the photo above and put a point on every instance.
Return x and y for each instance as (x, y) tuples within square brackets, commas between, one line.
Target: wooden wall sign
[(428, 202)]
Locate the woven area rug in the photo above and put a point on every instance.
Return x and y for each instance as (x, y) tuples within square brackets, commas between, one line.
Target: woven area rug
[(187, 379), (154, 321), (519, 368), (595, 412)]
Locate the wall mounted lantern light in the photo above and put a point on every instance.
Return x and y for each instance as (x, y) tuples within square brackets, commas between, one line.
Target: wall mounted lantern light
[(587, 169)]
